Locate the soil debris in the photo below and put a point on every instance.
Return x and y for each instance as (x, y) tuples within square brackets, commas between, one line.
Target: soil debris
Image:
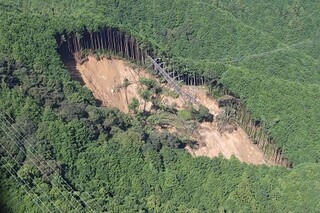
[(105, 78)]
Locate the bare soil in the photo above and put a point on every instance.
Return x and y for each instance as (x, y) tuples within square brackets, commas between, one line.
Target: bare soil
[(213, 143), (104, 78)]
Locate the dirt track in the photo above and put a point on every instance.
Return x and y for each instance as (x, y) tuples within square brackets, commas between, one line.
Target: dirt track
[(104, 76)]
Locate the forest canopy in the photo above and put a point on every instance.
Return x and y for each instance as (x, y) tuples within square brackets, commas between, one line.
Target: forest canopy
[(100, 159)]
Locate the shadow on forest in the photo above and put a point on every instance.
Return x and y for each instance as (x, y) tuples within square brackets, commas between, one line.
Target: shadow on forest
[(69, 61), (3, 206)]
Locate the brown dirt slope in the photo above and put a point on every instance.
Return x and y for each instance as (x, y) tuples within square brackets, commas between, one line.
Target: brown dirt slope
[(213, 143), (103, 77)]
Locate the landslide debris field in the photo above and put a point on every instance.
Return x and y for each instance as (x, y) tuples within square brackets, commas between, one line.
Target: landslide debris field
[(106, 77)]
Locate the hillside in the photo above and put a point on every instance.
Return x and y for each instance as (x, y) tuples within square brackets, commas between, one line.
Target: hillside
[(61, 151)]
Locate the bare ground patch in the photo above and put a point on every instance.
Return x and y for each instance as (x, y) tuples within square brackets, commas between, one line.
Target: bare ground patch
[(212, 142), (104, 78)]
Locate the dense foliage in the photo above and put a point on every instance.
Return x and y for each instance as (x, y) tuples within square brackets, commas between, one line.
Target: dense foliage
[(269, 57)]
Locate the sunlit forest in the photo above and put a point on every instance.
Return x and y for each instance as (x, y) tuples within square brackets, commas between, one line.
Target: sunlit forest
[(60, 151)]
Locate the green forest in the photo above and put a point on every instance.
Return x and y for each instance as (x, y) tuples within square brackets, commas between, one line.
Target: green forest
[(61, 152)]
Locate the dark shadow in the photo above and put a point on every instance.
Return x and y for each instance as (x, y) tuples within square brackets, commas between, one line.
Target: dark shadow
[(98, 102), (4, 187), (69, 61), (70, 185)]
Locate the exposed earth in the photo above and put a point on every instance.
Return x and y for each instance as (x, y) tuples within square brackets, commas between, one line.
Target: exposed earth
[(106, 77)]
